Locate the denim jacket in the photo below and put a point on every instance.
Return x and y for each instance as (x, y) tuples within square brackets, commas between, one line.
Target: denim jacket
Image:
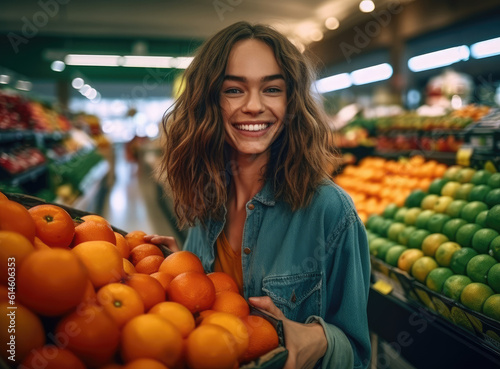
[(313, 263)]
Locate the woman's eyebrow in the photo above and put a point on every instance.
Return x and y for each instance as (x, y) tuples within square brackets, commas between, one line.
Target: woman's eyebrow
[(229, 77)]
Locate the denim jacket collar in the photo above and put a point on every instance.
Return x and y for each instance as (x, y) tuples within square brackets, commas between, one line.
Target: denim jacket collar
[(266, 194)]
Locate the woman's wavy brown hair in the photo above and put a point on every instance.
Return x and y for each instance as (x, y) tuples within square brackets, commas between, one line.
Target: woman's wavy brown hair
[(195, 166)]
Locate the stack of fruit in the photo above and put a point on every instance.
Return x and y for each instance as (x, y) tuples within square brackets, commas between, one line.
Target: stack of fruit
[(81, 295), (447, 238), (377, 182)]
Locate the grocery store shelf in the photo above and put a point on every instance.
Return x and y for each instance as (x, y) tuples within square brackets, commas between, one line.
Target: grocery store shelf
[(448, 158), (13, 136), (28, 175), (424, 339)]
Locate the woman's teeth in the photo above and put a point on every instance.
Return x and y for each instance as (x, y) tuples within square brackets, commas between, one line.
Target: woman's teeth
[(252, 127)]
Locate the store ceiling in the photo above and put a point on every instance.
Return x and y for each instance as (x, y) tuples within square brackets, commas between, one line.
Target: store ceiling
[(33, 32)]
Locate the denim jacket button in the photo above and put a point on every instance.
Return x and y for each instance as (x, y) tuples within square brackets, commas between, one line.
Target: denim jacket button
[(251, 206), (247, 250)]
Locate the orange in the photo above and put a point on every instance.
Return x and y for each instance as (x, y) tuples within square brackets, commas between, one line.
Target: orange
[(90, 333), (141, 251), (38, 244), (121, 302), (149, 336), (51, 282), (91, 230), (203, 314), (122, 245), (3, 197), (262, 337), (28, 331), (194, 290), (163, 278), (150, 290), (54, 226), (150, 264), (231, 302), (52, 357), (112, 366), (145, 364), (223, 282), (128, 267), (4, 293), (176, 314), (135, 238), (211, 346), (15, 246), (14, 217), (89, 297), (103, 261), (181, 262), (234, 325), (95, 218)]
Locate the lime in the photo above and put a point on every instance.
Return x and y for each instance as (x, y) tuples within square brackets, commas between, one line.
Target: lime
[(436, 186), (478, 267), (493, 218), (463, 191), (375, 244), (390, 210), (479, 193), (471, 210), (373, 222), (411, 215), (450, 188), (432, 242), (454, 285), (455, 207), (445, 251), (460, 259), (415, 198), (465, 233), (400, 214), (495, 248), (436, 222), (451, 227), (423, 218), (417, 237), (493, 277), (464, 175), (481, 218), (394, 230), (422, 266), (491, 307), (481, 177), (429, 201), (404, 236), (451, 172), (474, 295), (436, 278), (482, 239), (382, 251), (408, 257), (442, 204), (493, 197), (384, 227), (393, 254), (494, 181), (459, 318)]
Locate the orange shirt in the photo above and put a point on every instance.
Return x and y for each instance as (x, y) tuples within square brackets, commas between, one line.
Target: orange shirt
[(228, 261)]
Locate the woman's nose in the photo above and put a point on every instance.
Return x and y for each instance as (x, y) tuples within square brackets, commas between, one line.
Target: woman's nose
[(253, 103)]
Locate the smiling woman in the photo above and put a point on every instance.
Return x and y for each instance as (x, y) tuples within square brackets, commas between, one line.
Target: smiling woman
[(248, 163)]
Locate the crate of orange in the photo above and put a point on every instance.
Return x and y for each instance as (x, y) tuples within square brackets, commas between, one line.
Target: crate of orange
[(88, 295)]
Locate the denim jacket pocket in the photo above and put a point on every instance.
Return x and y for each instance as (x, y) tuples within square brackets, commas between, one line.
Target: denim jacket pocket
[(298, 296)]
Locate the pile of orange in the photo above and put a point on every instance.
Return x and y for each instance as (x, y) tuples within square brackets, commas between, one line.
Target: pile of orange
[(89, 297), (376, 182)]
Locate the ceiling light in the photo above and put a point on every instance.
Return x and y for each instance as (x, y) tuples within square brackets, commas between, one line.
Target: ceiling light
[(93, 60), (316, 35), (57, 66), (486, 48), (77, 83), (147, 61), (333, 83), (332, 23), (375, 73), (24, 85), (181, 62), (4, 79), (439, 58), (366, 6), (85, 89)]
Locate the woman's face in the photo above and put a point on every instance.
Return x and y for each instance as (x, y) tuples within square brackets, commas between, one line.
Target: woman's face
[(253, 98)]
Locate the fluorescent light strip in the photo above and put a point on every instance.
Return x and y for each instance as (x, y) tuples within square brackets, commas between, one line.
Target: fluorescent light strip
[(439, 58), (147, 61), (371, 74), (93, 60), (128, 61), (485, 49), (333, 83)]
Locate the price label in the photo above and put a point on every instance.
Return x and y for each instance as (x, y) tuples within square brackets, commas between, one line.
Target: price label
[(463, 156), (383, 287)]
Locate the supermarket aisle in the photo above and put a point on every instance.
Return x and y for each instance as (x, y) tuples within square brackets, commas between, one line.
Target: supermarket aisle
[(132, 202)]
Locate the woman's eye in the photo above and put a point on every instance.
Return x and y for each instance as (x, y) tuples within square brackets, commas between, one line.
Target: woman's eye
[(273, 90), (231, 91)]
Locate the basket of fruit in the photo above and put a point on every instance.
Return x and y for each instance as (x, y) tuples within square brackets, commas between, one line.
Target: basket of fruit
[(79, 293)]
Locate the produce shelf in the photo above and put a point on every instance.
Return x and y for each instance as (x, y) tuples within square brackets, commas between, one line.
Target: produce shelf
[(28, 175)]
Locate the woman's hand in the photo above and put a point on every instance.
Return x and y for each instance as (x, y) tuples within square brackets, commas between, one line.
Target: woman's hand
[(170, 242), (306, 343)]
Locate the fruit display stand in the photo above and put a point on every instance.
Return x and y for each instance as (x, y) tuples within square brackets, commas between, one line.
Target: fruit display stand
[(273, 359)]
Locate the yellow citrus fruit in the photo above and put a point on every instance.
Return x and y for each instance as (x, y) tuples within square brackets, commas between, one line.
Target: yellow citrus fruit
[(408, 257), (474, 295), (491, 307), (432, 242), (445, 251), (421, 268)]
